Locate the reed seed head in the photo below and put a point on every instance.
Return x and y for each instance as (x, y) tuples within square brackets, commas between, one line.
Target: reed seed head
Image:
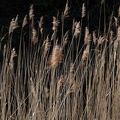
[(87, 38), (31, 12), (86, 53), (101, 40), (11, 63), (57, 56), (46, 45), (41, 23), (77, 29), (66, 10), (34, 36), (13, 25), (55, 24), (94, 38), (83, 10)]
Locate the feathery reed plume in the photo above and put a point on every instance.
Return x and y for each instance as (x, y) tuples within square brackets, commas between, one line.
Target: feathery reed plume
[(25, 22), (85, 53), (87, 38), (119, 12), (41, 24), (118, 33), (31, 12), (83, 10), (34, 36), (77, 29), (94, 38), (13, 25), (11, 63), (66, 10), (46, 45), (55, 24), (101, 39), (57, 56)]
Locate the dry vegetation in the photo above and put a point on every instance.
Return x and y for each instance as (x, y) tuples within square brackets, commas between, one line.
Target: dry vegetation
[(68, 82)]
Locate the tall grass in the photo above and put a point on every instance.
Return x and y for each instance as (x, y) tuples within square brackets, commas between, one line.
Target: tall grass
[(52, 78)]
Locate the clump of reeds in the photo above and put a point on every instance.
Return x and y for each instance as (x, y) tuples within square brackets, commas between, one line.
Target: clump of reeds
[(83, 84)]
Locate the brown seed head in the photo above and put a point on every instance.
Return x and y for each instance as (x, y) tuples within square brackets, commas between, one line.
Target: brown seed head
[(46, 46), (57, 56), (55, 24), (77, 29), (66, 11), (13, 25), (87, 38), (94, 38), (13, 54), (83, 10), (86, 53), (31, 12), (34, 36)]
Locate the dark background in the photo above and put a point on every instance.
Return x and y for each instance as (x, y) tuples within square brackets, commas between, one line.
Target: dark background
[(10, 8)]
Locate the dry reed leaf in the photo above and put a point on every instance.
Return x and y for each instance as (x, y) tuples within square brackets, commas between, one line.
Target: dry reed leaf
[(57, 56), (25, 22)]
